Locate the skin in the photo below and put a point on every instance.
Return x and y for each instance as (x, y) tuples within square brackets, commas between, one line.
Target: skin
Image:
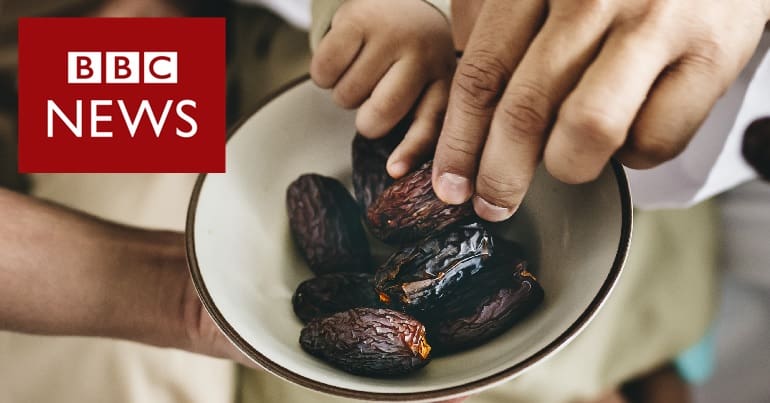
[(388, 59), (66, 273), (572, 83)]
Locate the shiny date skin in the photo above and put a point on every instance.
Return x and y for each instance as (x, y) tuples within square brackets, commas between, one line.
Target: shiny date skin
[(370, 157), (367, 341), (330, 293), (423, 276), (408, 210), (326, 227), (499, 272), (489, 316)]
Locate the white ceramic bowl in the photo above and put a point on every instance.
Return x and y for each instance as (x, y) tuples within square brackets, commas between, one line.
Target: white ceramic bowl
[(246, 268)]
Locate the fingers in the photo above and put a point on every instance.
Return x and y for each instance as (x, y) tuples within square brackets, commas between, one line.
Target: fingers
[(678, 105), (464, 15), (421, 138), (595, 118), (348, 65), (496, 46), (392, 98), (358, 82), (547, 73), (335, 54)]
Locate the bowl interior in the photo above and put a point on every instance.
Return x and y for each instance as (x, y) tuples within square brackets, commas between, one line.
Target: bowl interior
[(246, 267)]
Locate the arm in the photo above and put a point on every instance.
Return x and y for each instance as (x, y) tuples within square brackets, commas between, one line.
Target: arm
[(66, 273)]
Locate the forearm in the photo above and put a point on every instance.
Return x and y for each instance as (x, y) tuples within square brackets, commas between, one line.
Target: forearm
[(62, 272)]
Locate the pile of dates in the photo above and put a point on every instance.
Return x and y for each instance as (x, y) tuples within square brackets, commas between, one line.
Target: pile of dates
[(450, 285)]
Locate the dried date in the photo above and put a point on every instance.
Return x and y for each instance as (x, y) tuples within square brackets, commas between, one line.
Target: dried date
[(334, 292), (325, 224), (489, 316), (366, 341), (409, 210), (498, 273), (420, 277), (370, 157)]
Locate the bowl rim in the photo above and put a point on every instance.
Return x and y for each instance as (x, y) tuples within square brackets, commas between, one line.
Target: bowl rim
[(453, 391)]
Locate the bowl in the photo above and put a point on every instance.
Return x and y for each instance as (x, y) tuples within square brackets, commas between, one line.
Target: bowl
[(245, 266)]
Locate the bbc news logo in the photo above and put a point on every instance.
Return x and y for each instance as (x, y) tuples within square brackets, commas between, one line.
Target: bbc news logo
[(121, 95), (121, 67)]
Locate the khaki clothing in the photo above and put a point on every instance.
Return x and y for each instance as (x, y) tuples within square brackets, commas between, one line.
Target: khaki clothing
[(661, 305)]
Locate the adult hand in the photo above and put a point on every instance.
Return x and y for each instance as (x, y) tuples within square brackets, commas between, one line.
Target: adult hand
[(66, 273), (575, 82)]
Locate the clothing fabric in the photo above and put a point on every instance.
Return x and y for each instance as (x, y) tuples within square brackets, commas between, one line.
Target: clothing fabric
[(713, 162), (644, 323), (295, 12), (742, 327)]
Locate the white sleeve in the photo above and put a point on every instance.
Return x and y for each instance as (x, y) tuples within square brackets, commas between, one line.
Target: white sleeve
[(713, 162), (295, 12)]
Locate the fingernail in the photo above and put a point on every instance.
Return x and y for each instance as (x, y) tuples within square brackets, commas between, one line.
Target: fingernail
[(491, 212), (453, 188), (398, 169)]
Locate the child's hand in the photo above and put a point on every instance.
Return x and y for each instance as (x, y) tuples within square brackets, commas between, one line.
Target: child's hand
[(388, 57)]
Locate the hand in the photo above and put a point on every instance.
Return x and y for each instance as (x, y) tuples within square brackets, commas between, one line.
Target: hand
[(200, 334), (575, 82), (386, 58), (66, 273)]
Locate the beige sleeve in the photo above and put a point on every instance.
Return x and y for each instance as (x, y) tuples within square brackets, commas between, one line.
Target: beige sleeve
[(323, 12)]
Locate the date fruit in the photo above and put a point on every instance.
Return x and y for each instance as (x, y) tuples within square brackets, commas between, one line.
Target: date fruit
[(367, 341), (420, 277), (490, 315), (498, 273), (334, 292), (370, 157), (325, 224), (408, 210)]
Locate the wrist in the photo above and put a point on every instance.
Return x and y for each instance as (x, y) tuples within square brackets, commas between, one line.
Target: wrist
[(157, 316)]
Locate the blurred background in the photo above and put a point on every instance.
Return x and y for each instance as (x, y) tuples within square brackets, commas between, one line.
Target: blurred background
[(731, 363)]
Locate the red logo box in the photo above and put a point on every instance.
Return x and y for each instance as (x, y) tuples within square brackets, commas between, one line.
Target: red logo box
[(121, 95)]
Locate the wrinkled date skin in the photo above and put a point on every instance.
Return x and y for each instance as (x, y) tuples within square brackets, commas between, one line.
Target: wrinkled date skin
[(408, 210), (334, 292), (370, 157), (420, 277), (489, 316), (367, 341), (325, 223)]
